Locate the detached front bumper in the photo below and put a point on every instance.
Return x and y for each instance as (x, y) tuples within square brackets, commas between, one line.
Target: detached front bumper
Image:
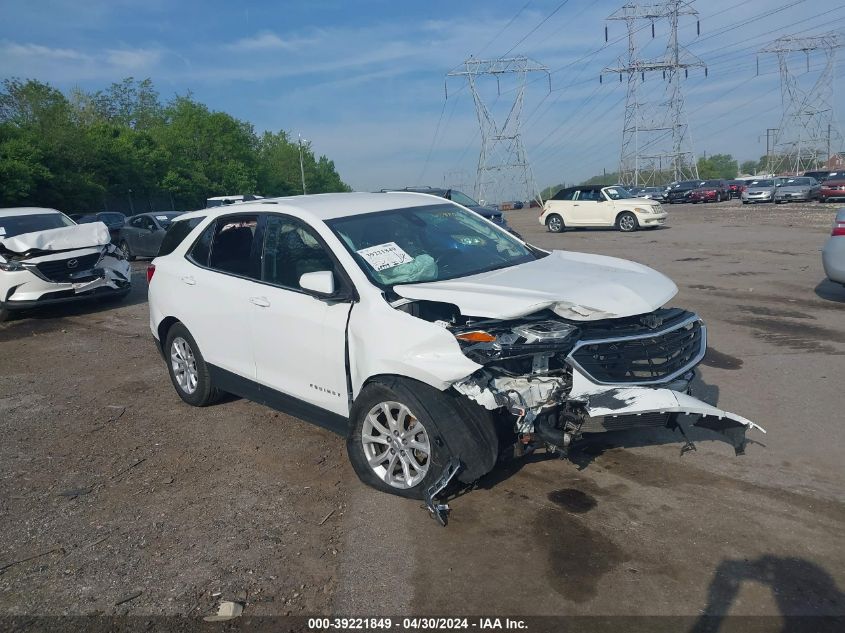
[(649, 405)]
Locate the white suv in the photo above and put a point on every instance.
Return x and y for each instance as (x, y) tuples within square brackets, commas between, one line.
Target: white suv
[(46, 258), (428, 336), (596, 206)]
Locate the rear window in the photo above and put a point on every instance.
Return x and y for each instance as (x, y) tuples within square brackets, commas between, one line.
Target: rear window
[(176, 233)]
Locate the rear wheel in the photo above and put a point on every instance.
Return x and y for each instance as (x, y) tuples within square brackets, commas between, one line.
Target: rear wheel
[(627, 222), (5, 314), (555, 223), (188, 370)]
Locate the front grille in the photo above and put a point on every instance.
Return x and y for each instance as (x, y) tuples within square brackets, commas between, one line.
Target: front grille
[(64, 270), (643, 358)]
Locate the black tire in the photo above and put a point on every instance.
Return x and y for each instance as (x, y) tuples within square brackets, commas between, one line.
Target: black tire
[(554, 223), (127, 251), (455, 428), (5, 315), (624, 222), (205, 392)]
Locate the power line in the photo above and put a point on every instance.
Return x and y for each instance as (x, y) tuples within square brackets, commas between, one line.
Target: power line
[(504, 28), (532, 31)]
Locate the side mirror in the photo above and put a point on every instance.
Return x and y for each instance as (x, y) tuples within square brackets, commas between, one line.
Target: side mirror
[(320, 282)]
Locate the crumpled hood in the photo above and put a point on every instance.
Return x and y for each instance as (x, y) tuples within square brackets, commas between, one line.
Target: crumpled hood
[(795, 188), (576, 286), (61, 239), (759, 189)]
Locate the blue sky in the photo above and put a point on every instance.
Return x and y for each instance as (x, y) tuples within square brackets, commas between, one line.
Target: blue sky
[(364, 81)]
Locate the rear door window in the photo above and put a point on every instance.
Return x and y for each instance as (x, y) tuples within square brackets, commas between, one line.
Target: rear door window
[(176, 234), (232, 243), (565, 194)]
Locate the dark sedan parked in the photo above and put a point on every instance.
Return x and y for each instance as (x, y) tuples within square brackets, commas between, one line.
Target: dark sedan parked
[(114, 220), (680, 191), (142, 234)]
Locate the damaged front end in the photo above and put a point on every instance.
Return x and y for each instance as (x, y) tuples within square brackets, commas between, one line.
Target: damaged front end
[(63, 264), (560, 379)]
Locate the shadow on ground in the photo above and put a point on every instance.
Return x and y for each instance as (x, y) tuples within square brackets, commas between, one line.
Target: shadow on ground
[(830, 291)]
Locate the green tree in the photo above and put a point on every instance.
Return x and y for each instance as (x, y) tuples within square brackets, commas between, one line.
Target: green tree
[(717, 166), (108, 148), (749, 167)]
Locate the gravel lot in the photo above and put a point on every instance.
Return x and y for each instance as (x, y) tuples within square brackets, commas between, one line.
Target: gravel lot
[(114, 491)]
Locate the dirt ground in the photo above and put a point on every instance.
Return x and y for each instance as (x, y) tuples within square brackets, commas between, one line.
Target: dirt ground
[(116, 498)]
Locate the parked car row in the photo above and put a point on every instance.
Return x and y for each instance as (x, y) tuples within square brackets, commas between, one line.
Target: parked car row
[(782, 189)]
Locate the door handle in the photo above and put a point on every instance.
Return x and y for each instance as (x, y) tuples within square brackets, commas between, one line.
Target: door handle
[(576, 205), (261, 302), (189, 280)]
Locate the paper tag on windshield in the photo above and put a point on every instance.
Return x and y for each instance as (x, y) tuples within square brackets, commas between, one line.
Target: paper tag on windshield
[(161, 217), (385, 256)]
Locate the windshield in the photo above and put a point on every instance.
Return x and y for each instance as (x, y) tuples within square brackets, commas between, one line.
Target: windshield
[(617, 193), (462, 198), (20, 224), (165, 219), (797, 182), (762, 183), (430, 243)]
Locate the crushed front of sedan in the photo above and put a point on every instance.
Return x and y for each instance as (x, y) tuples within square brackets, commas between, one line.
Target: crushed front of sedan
[(61, 264)]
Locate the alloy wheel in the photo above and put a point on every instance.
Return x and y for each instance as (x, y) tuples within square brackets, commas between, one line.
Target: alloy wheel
[(555, 224), (396, 445), (184, 365), (627, 223)]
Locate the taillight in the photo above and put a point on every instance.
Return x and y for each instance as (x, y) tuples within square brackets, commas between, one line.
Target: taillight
[(838, 228), (151, 270)]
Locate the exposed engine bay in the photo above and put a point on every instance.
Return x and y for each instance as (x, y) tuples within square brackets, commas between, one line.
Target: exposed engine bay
[(559, 379)]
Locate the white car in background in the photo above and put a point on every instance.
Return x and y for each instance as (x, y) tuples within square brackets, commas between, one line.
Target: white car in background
[(429, 337), (46, 258), (596, 206)]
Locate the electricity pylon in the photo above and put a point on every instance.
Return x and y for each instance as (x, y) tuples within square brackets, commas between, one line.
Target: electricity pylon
[(656, 142), (808, 128), (503, 169)]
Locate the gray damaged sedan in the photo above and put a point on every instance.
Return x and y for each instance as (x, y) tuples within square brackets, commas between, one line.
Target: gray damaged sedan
[(798, 189), (142, 234), (833, 254)]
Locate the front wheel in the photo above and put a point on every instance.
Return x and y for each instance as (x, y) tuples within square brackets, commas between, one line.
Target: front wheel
[(187, 368), (405, 433), (555, 223), (5, 314), (627, 222)]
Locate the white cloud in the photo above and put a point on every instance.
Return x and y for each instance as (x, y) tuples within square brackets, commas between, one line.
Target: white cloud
[(267, 41), (133, 59)]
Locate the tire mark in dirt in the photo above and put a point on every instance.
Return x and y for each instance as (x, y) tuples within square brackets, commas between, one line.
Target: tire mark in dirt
[(775, 312), (798, 336)]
